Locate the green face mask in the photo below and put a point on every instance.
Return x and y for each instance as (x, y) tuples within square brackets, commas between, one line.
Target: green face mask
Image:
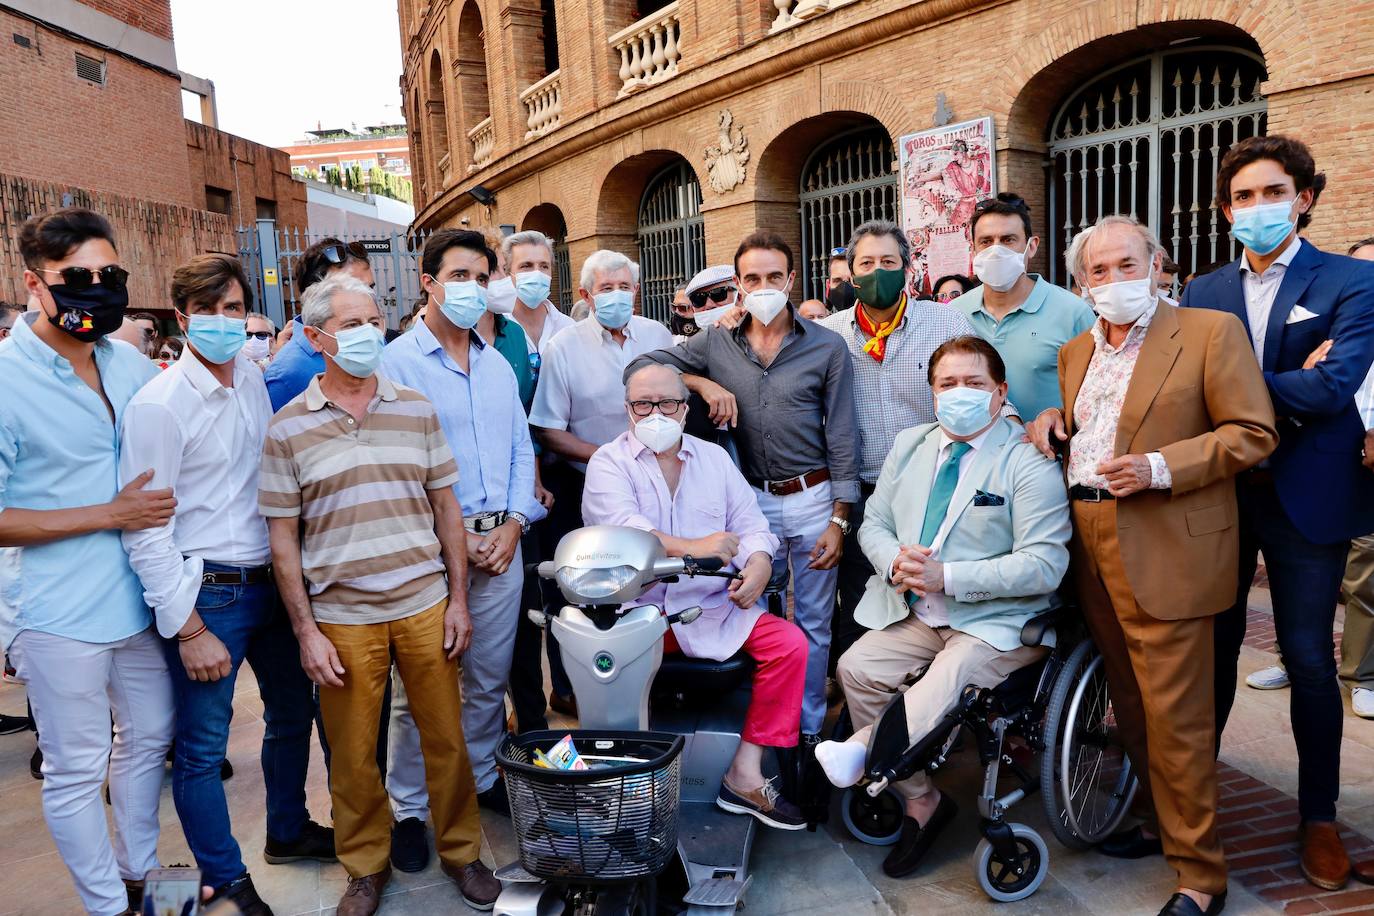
[(881, 289)]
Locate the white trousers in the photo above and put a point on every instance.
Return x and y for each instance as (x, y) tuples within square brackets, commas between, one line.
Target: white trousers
[(494, 608), (76, 689)]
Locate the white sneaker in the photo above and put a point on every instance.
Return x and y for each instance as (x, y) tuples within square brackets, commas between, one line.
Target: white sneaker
[(1362, 702), (1274, 678)]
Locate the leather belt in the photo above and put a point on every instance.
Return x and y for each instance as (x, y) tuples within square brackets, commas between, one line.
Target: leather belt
[(237, 575), (1089, 494), (795, 485), (483, 522)]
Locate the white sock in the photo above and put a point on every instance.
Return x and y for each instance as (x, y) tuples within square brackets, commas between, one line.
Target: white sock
[(843, 761)]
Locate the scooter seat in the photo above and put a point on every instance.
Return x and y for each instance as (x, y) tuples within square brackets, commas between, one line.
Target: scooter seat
[(687, 677)]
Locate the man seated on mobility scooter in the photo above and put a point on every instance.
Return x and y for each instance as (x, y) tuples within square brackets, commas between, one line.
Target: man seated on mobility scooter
[(690, 495), (969, 527)]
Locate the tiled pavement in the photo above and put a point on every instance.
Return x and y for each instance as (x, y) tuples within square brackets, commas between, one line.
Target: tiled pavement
[(821, 873)]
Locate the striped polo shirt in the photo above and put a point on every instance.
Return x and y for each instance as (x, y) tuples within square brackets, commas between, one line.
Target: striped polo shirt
[(368, 547)]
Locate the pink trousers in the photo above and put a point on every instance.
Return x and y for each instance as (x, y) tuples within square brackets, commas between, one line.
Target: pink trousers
[(778, 649)]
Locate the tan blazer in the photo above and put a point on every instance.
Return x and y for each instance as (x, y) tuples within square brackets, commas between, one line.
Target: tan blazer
[(1198, 397)]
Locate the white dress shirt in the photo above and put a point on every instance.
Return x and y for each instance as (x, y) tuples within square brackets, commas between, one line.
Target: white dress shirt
[(931, 609), (205, 442), (1260, 291), (554, 321), (580, 388)]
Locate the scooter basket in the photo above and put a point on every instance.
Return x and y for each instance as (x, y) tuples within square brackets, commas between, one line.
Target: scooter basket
[(615, 822)]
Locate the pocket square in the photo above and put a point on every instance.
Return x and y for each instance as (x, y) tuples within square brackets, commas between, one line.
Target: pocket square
[(987, 499), (1299, 314)]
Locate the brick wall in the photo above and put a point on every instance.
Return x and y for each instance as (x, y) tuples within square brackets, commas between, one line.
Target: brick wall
[(249, 171), (125, 136), (152, 238), (152, 16)]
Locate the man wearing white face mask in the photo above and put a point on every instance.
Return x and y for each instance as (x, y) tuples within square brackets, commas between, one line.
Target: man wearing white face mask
[(1023, 315), (366, 588), (791, 390), (969, 528), (1163, 407), (690, 495), (475, 393)]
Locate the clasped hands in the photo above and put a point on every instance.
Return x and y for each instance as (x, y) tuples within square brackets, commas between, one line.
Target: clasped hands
[(916, 570)]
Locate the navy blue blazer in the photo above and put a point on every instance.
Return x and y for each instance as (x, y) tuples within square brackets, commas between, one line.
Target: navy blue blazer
[(1324, 488)]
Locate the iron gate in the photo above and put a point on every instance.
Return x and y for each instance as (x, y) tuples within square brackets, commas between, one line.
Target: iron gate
[(845, 182), (672, 237), (1146, 138), (271, 256), (563, 286)]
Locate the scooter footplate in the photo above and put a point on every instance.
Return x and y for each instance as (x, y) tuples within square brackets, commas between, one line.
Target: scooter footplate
[(724, 892), (515, 874)]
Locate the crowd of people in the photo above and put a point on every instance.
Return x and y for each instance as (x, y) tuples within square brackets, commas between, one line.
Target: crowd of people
[(352, 509)]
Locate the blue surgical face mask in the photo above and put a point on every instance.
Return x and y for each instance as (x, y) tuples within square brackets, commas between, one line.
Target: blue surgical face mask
[(464, 303), (614, 308), (532, 287), (963, 411), (218, 338), (360, 350), (1263, 228)]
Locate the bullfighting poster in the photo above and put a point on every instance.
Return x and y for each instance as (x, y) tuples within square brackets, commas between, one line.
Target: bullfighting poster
[(945, 172)]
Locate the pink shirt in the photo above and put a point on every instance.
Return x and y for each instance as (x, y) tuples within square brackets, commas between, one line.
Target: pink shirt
[(1097, 410), (625, 487)]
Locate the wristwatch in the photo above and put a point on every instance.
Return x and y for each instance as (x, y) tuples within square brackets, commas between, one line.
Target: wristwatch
[(842, 523), (524, 522)]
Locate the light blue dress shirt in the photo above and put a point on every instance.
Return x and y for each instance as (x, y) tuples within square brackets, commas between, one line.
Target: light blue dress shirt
[(1028, 340), (59, 449), (481, 415)]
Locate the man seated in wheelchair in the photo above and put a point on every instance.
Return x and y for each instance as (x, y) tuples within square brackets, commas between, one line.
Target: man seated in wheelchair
[(968, 529), (692, 497)]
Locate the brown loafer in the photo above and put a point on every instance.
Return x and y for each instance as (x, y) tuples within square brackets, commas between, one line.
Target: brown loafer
[(1363, 871), (476, 884), (364, 894), (1324, 860)]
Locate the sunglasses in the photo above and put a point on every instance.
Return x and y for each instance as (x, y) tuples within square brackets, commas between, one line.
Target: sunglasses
[(948, 297), (81, 278), (338, 254), (260, 335), (717, 295), (668, 407)]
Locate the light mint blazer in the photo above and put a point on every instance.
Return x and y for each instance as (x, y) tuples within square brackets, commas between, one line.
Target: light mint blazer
[(1005, 561)]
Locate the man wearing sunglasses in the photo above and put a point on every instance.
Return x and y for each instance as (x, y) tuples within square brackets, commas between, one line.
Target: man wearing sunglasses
[(76, 626), (147, 329), (297, 362)]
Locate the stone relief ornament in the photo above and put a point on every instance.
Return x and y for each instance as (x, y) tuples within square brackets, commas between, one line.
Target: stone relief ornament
[(726, 163)]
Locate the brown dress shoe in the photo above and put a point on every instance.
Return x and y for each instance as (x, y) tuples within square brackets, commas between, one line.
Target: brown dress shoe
[(364, 894), (1324, 860), (1363, 871), (476, 883)]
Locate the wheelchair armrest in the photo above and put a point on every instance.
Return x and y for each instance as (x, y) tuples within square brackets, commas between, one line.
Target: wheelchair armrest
[(1033, 631)]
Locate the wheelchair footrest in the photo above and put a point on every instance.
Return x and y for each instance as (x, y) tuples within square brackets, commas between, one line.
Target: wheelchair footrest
[(717, 892)]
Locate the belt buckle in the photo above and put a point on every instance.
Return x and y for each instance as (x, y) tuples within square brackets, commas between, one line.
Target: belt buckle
[(1097, 495)]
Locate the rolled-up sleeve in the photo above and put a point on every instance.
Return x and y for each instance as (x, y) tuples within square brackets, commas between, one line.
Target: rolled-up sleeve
[(552, 408)]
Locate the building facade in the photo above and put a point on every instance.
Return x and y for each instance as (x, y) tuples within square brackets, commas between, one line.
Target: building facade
[(382, 147), (668, 131)]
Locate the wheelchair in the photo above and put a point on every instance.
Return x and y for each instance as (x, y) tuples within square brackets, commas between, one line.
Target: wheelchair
[(1059, 708)]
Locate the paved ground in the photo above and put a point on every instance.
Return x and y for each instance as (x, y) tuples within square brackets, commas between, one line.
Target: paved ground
[(820, 873)]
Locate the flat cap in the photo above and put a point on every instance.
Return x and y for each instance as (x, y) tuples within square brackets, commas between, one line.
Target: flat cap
[(710, 276)]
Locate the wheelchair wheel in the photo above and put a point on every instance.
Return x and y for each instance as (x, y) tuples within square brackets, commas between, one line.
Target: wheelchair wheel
[(1005, 881), (1085, 776), (875, 821)]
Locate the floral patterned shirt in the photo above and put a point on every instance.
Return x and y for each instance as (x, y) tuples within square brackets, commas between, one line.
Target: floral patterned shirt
[(1097, 410)]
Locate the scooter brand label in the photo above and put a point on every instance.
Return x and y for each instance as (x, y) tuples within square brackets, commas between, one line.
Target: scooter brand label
[(604, 662), (596, 555)]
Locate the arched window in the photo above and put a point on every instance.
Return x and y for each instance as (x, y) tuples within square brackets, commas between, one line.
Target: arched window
[(672, 236), (436, 120), (845, 182), (472, 66), (1145, 139)]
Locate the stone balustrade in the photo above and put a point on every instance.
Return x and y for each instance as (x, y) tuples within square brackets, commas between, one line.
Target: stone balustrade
[(649, 50), (483, 140), (795, 12), (543, 105)]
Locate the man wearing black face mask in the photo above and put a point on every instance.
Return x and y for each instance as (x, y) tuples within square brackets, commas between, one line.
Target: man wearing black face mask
[(890, 341), (83, 638), (839, 291)]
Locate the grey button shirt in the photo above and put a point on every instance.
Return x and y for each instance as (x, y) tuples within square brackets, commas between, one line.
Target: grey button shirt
[(796, 415)]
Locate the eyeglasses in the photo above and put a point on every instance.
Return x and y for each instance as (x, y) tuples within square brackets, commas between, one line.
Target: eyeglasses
[(717, 295), (668, 407), (949, 297), (79, 278), (339, 254), (260, 335)]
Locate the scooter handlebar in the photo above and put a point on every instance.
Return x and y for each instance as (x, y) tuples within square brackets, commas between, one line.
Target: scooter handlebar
[(702, 564), (547, 569)]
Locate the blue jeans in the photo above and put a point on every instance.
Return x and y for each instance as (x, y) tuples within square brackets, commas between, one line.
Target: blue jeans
[(252, 623), (1305, 583)]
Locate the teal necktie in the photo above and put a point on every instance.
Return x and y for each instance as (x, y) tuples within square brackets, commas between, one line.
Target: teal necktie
[(941, 492)]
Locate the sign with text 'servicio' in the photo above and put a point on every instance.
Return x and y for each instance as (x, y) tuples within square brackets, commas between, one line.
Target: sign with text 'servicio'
[(944, 173), (375, 246)]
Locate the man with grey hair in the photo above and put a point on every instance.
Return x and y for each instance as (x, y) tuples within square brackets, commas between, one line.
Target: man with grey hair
[(579, 405), (9, 314), (890, 341), (262, 339), (529, 261), (1163, 407), (364, 589)]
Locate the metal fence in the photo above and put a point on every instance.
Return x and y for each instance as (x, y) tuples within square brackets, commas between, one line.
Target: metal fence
[(844, 183), (672, 237)]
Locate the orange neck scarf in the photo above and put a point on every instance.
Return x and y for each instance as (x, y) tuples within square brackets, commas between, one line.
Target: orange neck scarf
[(876, 346)]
